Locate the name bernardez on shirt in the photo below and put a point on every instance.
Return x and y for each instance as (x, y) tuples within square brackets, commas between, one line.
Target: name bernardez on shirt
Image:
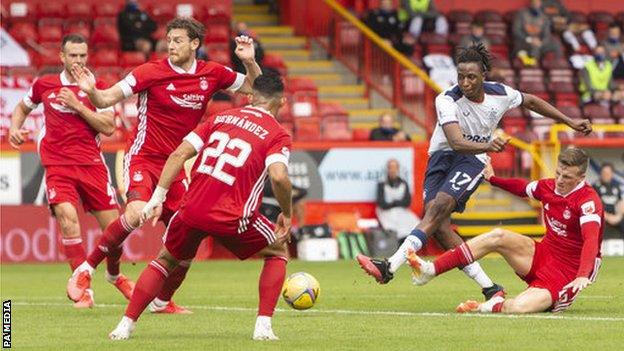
[(243, 123)]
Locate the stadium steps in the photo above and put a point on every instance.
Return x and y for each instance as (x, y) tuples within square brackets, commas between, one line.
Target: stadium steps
[(334, 82), (525, 229)]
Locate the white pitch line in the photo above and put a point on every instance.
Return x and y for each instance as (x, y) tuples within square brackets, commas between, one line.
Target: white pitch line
[(361, 312)]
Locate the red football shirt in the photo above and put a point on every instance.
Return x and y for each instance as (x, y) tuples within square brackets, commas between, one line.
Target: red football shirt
[(66, 138), (235, 149), (564, 217), (172, 102)]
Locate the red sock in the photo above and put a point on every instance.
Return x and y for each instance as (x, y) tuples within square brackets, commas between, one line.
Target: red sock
[(74, 252), (173, 282), (270, 284), (147, 287), (459, 256), (113, 236), (112, 261)]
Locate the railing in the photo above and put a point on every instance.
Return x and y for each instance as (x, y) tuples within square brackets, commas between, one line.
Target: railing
[(374, 61)]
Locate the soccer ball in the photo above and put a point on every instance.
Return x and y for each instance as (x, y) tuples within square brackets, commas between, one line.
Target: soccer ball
[(301, 290)]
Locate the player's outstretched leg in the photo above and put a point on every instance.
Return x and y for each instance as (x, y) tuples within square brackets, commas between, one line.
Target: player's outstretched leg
[(269, 288), (109, 244), (149, 284), (163, 302)]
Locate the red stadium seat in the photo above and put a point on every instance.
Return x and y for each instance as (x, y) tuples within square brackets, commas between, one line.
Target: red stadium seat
[(455, 16), (105, 34), (290, 127), (618, 110), (160, 33), (162, 12), (549, 63), (503, 162), (361, 134), (578, 17), (433, 38), (276, 62), (218, 34), (304, 103), (131, 59), (218, 12), (20, 12), (107, 10), (219, 53), (52, 9), (49, 55), (80, 10), (571, 111), (601, 20), (79, 27), (50, 32), (105, 57), (301, 84), (439, 49), (486, 16), (596, 111), (513, 125), (307, 129), (329, 109), (336, 128), (24, 31), (109, 75)]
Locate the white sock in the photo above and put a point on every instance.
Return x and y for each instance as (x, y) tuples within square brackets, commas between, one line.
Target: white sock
[(263, 320), (111, 278), (400, 256), (475, 272), (159, 303), (127, 320), (84, 266), (488, 305)]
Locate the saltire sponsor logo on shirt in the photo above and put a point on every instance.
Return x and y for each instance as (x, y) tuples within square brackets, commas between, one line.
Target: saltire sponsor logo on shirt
[(187, 104)]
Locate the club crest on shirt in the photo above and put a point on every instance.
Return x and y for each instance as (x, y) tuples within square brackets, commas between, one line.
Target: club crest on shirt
[(51, 193), (588, 207), (567, 214), (137, 177), (203, 83), (82, 94)]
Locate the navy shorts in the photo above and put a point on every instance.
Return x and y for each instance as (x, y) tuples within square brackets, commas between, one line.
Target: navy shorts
[(456, 174)]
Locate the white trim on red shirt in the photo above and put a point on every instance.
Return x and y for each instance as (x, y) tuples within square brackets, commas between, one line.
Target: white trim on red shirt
[(194, 140), (181, 70)]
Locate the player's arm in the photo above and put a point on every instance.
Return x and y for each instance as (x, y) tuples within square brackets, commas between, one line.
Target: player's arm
[(517, 186), (99, 98), (16, 133), (102, 121), (174, 165), (247, 54), (590, 221), (458, 143), (282, 188), (545, 109)]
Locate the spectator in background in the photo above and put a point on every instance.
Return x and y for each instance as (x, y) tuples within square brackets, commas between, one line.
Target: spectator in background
[(393, 202), (270, 207), (422, 11), (386, 130), (613, 42), (135, 28), (596, 78), (531, 34), (562, 23), (241, 28), (476, 36), (612, 199), (385, 22)]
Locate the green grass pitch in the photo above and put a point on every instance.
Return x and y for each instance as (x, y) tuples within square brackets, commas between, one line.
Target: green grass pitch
[(353, 312)]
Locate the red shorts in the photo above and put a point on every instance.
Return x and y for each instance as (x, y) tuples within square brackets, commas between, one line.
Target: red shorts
[(141, 177), (549, 273), (182, 240), (90, 183)]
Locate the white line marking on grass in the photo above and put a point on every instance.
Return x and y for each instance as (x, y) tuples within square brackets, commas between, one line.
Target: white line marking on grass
[(359, 312), (596, 297)]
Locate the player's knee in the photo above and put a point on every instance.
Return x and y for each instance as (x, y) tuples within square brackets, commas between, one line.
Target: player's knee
[(440, 209), (166, 259), (515, 306), (280, 250), (132, 214), (68, 223), (496, 238)]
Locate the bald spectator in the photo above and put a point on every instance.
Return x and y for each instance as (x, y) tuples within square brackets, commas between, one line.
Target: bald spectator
[(386, 130), (531, 33), (393, 202)]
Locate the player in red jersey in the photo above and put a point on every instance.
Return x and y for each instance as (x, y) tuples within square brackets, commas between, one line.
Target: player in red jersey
[(173, 95), (74, 167), (565, 262), (237, 150)]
